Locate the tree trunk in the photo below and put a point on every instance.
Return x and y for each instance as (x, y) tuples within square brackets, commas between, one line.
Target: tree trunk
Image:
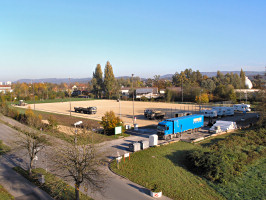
[(30, 169), (77, 190)]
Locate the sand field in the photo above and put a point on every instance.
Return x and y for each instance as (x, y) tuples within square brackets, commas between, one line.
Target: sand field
[(126, 108)]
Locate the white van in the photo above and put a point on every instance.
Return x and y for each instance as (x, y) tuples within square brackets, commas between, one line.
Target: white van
[(209, 113)]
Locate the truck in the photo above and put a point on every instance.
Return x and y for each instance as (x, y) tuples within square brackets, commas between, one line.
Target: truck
[(88, 110), (155, 114), (174, 127)]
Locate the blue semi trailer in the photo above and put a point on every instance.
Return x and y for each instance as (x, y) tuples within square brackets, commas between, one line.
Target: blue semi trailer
[(173, 127)]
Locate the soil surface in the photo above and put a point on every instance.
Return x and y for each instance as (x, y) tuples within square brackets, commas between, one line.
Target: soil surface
[(126, 109)]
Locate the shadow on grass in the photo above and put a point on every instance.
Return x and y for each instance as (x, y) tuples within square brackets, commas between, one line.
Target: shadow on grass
[(179, 158)]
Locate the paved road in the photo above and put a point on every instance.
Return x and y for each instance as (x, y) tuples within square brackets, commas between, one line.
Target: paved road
[(116, 187), (17, 185)]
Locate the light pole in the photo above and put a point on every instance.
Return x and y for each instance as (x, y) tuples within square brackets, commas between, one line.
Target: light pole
[(133, 97), (69, 98), (76, 131)]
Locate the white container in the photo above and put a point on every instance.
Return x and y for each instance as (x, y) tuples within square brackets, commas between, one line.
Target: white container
[(136, 127), (153, 140), (156, 194)]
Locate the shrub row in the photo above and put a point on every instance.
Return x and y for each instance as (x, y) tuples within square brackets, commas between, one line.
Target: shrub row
[(229, 157)]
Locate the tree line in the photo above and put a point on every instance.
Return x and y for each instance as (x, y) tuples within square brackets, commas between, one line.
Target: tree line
[(193, 86)]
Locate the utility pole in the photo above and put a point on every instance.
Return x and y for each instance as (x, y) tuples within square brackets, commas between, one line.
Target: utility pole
[(133, 97), (182, 88), (69, 97)]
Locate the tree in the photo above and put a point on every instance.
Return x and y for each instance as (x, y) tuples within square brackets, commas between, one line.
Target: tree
[(32, 142), (79, 163), (53, 124), (109, 80), (97, 81), (242, 78), (110, 121), (208, 84), (204, 98)]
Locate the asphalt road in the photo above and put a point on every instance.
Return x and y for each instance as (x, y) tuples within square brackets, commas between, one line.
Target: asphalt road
[(116, 187)]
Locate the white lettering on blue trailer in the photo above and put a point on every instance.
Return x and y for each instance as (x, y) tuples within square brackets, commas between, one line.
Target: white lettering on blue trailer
[(197, 120)]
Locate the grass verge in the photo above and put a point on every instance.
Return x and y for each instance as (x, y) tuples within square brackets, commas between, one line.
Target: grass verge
[(53, 185), (3, 148), (164, 166), (4, 195)]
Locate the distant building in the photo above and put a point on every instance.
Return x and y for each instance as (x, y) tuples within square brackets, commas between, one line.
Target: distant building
[(125, 91), (148, 92), (5, 88)]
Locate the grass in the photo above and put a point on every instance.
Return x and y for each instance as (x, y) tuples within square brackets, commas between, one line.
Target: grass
[(68, 121), (251, 185), (4, 195), (3, 148), (165, 167), (53, 185)]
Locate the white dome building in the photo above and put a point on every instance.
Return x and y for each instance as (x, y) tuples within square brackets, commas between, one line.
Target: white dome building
[(248, 83)]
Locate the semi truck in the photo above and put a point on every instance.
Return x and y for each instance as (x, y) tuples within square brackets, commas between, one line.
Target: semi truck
[(173, 127)]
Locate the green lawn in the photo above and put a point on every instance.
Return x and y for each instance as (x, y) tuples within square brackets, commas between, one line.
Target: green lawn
[(53, 185), (165, 167), (4, 195), (3, 148)]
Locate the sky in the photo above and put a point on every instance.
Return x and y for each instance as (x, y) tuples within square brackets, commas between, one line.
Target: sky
[(66, 38)]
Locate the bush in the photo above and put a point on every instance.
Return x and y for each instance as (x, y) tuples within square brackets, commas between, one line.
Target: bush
[(229, 157), (110, 121)]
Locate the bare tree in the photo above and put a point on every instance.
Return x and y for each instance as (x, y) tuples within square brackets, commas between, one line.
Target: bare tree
[(79, 163), (32, 142)]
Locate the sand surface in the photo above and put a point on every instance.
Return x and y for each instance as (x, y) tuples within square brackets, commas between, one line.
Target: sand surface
[(126, 109)]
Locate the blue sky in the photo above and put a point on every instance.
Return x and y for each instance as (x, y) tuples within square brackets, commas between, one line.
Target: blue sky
[(66, 38)]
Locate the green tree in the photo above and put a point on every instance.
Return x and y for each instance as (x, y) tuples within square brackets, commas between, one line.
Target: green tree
[(97, 81), (109, 80), (242, 78)]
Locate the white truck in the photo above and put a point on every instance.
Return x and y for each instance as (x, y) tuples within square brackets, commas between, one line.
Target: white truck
[(242, 107)]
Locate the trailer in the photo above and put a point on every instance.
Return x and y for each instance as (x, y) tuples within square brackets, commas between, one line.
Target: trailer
[(209, 113), (242, 107), (173, 127), (154, 114), (78, 109), (224, 111)]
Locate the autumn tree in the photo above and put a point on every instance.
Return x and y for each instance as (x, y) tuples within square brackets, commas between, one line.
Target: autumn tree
[(109, 80), (97, 81), (110, 121), (203, 98)]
